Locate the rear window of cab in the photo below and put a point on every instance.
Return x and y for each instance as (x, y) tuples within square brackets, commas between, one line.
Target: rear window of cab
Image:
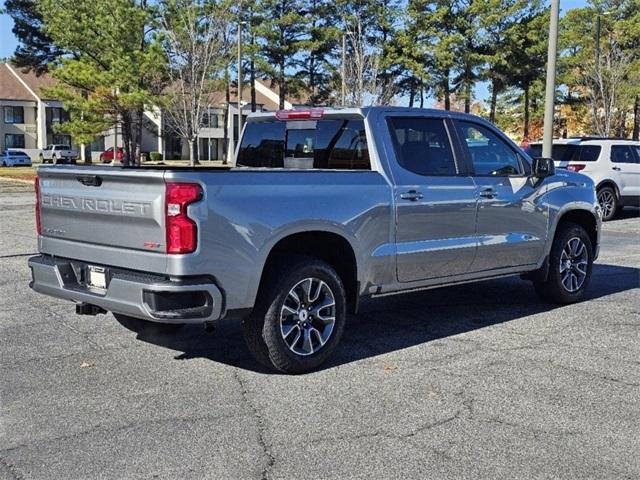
[(329, 144)]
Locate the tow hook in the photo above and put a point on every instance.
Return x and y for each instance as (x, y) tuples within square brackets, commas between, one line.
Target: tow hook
[(88, 309)]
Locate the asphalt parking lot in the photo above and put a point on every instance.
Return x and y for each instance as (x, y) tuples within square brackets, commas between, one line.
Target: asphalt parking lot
[(476, 381)]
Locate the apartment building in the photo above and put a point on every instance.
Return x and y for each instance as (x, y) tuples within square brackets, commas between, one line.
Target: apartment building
[(28, 119)]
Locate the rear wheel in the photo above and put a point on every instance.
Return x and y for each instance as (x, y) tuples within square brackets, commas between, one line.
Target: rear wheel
[(570, 266), (54, 160), (138, 325), (608, 201), (299, 317)]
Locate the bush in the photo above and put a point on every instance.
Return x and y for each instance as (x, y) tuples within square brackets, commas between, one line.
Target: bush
[(155, 156)]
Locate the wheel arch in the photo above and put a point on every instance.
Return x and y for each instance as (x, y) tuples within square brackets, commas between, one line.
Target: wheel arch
[(586, 219), (331, 247), (609, 183)]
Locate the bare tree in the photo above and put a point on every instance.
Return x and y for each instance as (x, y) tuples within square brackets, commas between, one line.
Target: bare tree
[(605, 81), (196, 41), (362, 82)]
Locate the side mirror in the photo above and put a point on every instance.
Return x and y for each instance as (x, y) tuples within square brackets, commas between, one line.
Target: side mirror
[(543, 167)]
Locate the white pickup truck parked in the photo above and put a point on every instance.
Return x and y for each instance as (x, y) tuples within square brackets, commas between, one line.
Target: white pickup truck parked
[(58, 154)]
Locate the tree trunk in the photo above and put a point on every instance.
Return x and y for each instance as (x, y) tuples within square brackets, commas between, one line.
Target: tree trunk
[(252, 76), (412, 95), (635, 134), (421, 96), (447, 91), (494, 101), (126, 138), (138, 138), (192, 152), (281, 87), (526, 112)]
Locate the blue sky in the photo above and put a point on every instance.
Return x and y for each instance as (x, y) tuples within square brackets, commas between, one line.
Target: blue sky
[(8, 42)]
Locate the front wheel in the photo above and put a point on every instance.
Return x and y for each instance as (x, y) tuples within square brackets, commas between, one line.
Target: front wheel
[(570, 266), (54, 160), (299, 317), (608, 201)]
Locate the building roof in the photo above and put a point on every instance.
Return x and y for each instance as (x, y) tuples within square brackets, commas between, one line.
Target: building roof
[(36, 82), (10, 86)]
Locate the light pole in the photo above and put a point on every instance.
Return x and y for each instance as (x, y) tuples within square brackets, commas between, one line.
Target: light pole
[(550, 90)]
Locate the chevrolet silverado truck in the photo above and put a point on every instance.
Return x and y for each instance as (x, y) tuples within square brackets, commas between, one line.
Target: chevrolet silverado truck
[(320, 209)]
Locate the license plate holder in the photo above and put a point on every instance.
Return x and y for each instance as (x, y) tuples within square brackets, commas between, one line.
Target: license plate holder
[(96, 277)]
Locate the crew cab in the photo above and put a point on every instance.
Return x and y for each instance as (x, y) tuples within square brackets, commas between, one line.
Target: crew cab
[(58, 154), (321, 209)]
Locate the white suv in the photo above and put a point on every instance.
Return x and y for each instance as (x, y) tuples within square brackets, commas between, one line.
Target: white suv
[(613, 164)]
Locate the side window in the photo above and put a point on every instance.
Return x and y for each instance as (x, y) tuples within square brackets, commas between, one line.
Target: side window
[(489, 154), (636, 150), (422, 145), (622, 154)]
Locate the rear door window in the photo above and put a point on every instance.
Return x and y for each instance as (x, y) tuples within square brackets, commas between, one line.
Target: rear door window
[(333, 144), (422, 145)]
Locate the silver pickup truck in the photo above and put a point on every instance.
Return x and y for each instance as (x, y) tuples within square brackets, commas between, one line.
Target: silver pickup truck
[(322, 208)]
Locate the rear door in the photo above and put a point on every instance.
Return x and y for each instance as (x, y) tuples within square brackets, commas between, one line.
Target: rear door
[(435, 201), (625, 160), (511, 230)]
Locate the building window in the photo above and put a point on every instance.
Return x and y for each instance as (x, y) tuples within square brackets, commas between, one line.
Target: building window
[(12, 140), (208, 149), (13, 114), (62, 140), (210, 120), (56, 115), (98, 144)]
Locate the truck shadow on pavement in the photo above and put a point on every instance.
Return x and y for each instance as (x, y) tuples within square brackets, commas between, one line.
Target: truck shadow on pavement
[(393, 323)]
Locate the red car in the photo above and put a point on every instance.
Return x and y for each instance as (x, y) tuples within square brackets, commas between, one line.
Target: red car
[(107, 155)]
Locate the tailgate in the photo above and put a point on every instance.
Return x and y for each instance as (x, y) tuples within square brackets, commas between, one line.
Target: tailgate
[(103, 206)]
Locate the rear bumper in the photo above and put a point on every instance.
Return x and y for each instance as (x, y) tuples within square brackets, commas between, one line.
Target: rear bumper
[(153, 298)]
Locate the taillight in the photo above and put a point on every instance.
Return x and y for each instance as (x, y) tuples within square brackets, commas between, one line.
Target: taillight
[(300, 114), (36, 185), (182, 232), (576, 167)]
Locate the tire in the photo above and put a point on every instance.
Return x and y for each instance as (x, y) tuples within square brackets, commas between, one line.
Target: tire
[(292, 337), (608, 200), (139, 325), (555, 289), (54, 160)]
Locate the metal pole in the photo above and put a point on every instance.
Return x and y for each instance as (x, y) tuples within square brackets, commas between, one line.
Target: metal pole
[(343, 70), (550, 92), (239, 72), (209, 137)]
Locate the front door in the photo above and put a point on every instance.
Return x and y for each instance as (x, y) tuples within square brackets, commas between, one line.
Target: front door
[(435, 202), (511, 229)]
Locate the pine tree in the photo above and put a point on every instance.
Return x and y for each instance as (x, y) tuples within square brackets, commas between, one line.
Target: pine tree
[(35, 48), (280, 36)]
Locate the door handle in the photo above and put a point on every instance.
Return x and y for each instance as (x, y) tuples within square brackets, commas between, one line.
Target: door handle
[(617, 169), (412, 195), (488, 193)]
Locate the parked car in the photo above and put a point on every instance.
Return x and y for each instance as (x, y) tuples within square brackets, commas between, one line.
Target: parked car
[(15, 158), (612, 163), (107, 155), (322, 209), (58, 154)]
